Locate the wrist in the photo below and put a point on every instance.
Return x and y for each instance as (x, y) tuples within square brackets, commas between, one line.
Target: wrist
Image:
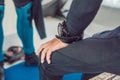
[(65, 36)]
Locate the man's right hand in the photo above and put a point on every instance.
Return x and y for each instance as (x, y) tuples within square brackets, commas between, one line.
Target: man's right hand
[(47, 48)]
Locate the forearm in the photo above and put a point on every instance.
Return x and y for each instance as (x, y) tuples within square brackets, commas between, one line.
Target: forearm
[(81, 13)]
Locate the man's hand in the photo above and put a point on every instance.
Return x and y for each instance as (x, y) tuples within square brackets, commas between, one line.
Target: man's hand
[(47, 48)]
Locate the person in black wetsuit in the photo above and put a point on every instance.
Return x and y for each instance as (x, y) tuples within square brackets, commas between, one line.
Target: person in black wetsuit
[(26, 11), (69, 52)]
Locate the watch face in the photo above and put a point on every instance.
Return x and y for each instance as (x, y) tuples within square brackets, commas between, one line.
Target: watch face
[(60, 30)]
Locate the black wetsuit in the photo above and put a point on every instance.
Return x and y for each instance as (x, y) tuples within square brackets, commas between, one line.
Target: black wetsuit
[(36, 14), (100, 53)]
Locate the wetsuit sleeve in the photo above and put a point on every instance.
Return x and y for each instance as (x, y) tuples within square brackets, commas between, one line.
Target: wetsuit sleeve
[(81, 13), (38, 18)]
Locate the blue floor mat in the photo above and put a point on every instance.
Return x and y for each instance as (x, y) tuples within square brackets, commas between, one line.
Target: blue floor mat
[(73, 76), (22, 72)]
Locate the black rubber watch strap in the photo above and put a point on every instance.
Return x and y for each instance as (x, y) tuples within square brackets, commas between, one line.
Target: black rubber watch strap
[(65, 36)]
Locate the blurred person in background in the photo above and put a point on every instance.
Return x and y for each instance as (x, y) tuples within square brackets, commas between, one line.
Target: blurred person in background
[(26, 11), (69, 52)]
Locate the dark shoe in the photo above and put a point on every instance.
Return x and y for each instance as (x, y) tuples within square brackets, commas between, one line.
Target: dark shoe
[(13, 54), (1, 71), (31, 59)]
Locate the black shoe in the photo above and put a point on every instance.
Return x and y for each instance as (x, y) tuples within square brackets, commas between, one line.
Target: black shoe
[(31, 59), (1, 70)]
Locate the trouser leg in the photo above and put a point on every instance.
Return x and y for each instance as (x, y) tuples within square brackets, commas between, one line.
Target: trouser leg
[(87, 56), (1, 29), (24, 24), (44, 75), (1, 40), (25, 30)]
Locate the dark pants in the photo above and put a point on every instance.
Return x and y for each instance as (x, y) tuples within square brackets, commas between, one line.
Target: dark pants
[(100, 53)]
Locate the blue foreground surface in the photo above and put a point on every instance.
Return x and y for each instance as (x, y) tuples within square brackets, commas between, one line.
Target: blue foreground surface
[(22, 72)]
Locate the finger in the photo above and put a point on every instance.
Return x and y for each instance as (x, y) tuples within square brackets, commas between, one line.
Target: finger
[(39, 50), (43, 54), (48, 56)]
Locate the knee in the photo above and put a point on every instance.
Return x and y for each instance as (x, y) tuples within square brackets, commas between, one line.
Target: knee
[(50, 68), (45, 68)]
